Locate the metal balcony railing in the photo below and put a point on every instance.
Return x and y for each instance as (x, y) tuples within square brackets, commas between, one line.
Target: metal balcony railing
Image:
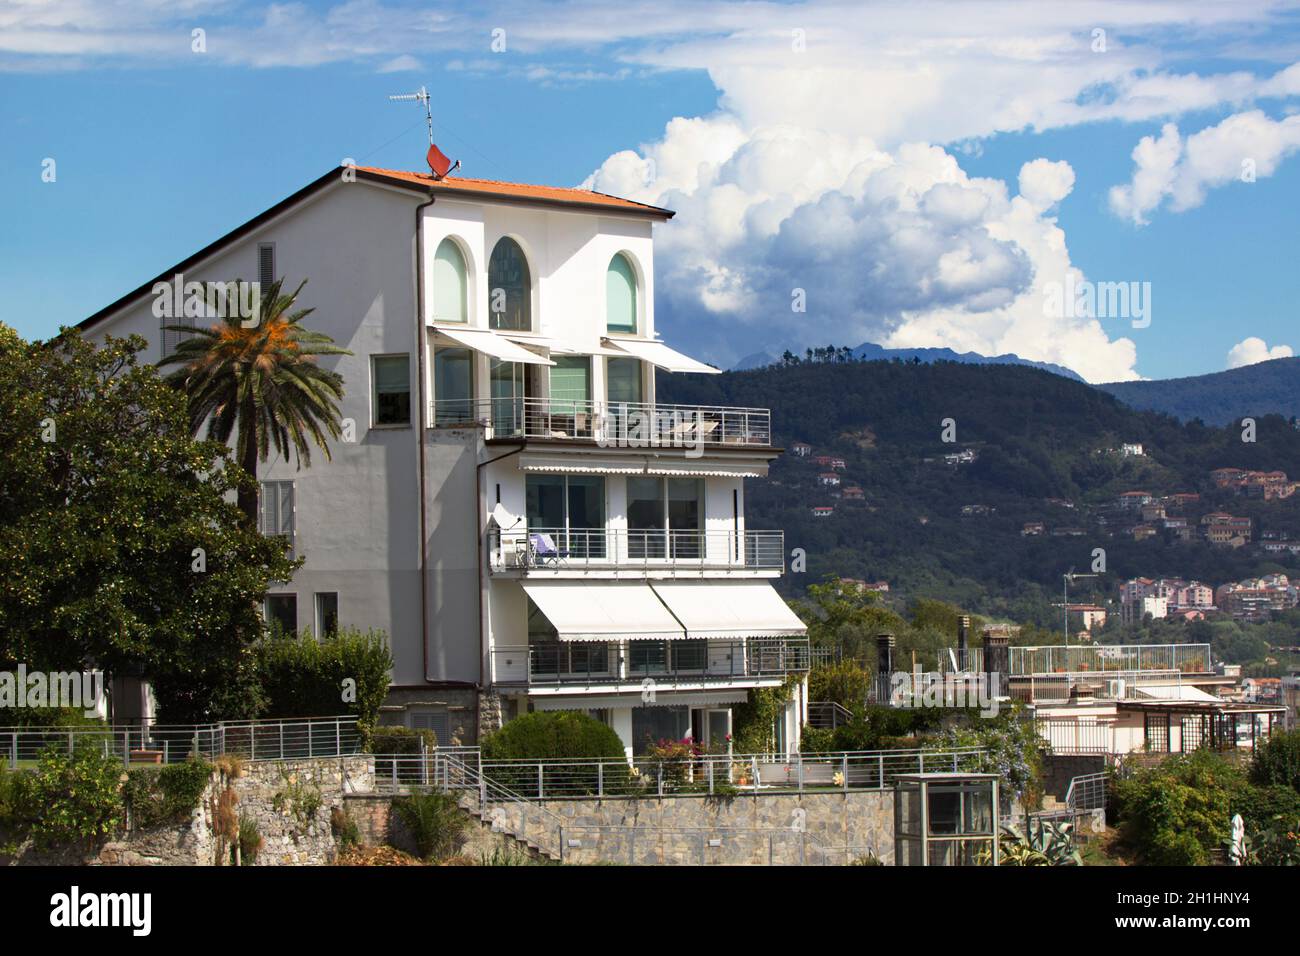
[(612, 424), (671, 662), (537, 550), (1087, 659)]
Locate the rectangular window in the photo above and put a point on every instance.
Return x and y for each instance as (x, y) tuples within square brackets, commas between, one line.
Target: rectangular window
[(570, 509), (277, 509), (391, 375), (174, 337), (646, 530), (690, 655), (266, 264), (327, 613), (281, 613), (453, 386), (439, 721), (570, 384), (623, 381), (506, 382), (665, 517)]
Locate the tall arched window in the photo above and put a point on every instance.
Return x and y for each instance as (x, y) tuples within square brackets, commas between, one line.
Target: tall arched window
[(510, 288), (620, 295), (449, 286)]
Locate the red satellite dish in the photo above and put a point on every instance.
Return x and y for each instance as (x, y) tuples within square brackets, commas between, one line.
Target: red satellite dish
[(439, 164)]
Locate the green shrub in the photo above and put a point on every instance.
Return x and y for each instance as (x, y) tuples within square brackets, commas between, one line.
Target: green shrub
[(250, 841), (556, 736), (436, 822), (305, 677), (75, 798), (845, 683), (1175, 813), (165, 796), (400, 740), (299, 799), (1277, 761)]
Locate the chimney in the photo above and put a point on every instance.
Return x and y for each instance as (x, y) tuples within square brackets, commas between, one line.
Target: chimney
[(997, 658), (963, 641), (884, 666)]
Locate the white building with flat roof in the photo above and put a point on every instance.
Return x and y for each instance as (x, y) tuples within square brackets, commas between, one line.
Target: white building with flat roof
[(531, 528)]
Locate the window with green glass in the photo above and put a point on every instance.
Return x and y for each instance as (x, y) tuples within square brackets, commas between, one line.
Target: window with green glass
[(623, 381), (391, 375), (620, 295), (450, 298), (510, 288), (453, 386), (570, 384)]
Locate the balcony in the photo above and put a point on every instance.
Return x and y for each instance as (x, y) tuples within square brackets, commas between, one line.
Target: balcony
[(577, 552), (612, 425), (668, 663)]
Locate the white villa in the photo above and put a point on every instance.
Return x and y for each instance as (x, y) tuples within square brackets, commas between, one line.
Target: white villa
[(516, 511)]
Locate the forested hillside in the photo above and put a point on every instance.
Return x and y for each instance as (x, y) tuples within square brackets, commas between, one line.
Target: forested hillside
[(1035, 436), (1221, 397)]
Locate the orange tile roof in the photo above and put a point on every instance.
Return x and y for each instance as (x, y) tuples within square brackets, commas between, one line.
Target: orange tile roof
[(521, 191)]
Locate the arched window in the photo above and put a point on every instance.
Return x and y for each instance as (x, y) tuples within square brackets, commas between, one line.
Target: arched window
[(510, 288), (620, 295), (449, 296)]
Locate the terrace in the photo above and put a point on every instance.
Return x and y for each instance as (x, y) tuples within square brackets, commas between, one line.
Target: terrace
[(609, 424), (683, 664), (560, 552)]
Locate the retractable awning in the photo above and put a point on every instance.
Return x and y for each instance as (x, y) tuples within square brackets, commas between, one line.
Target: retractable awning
[(660, 355), (603, 611), (491, 343), (729, 610), (638, 699)]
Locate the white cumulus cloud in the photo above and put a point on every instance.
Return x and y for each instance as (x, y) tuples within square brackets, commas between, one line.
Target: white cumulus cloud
[(898, 246), (1177, 171), (1254, 349)]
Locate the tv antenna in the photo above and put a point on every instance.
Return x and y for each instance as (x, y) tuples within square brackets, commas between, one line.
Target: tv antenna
[(439, 164)]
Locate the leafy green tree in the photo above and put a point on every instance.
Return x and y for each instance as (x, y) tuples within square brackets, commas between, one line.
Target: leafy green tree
[(119, 546), (262, 384)]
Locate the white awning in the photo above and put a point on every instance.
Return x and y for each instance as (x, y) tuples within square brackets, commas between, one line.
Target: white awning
[(540, 342), (603, 611), (656, 353), (698, 698), (490, 343), (581, 464), (712, 470), (717, 610)]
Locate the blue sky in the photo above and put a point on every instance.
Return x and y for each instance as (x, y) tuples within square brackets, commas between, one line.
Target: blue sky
[(925, 173)]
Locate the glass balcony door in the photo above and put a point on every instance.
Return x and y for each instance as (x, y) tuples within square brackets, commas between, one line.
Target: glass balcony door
[(665, 518), (567, 513)]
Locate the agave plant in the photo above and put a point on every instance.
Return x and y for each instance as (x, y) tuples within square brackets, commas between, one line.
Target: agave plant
[(1048, 844)]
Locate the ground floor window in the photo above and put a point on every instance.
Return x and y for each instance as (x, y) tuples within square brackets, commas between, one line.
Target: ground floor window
[(439, 721), (281, 612), (653, 724), (327, 613)]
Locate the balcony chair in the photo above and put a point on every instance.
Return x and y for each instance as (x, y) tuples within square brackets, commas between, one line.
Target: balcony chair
[(544, 551)]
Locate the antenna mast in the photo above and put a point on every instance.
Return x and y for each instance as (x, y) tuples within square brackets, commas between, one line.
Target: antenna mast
[(423, 97), (439, 164)]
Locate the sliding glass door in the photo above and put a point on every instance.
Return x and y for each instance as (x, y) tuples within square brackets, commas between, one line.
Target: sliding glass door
[(571, 510), (665, 518)]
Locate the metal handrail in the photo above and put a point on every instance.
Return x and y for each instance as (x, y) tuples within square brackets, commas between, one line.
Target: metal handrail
[(612, 662), (255, 740), (538, 549), (617, 424)]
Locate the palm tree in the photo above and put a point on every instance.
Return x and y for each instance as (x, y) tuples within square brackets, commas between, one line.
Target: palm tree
[(261, 383)]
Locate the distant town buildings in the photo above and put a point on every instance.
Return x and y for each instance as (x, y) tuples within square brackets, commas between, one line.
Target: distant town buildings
[(1268, 485), (801, 448), (1255, 599)]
